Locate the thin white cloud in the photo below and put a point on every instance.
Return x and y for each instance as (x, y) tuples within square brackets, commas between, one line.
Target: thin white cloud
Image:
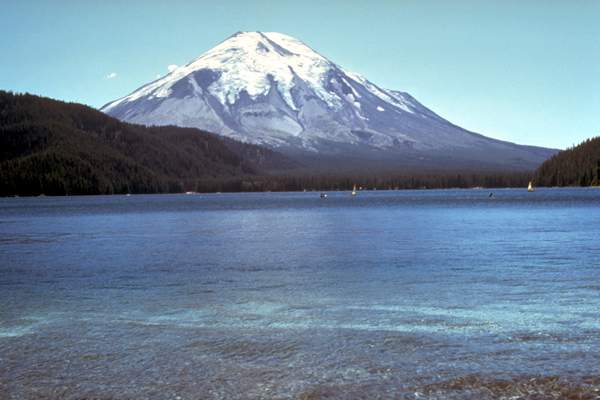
[(172, 67), (113, 75)]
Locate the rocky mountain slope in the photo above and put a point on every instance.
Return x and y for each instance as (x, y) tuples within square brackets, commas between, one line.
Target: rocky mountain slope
[(271, 89)]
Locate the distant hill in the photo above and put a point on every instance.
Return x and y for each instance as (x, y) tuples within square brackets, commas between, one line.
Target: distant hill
[(56, 148), (577, 166)]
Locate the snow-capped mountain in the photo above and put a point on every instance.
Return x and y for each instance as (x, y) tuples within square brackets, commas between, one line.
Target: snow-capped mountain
[(271, 89)]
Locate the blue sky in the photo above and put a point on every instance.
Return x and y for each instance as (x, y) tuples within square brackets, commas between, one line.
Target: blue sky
[(524, 71)]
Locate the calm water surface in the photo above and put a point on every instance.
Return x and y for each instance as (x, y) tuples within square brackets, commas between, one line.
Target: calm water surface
[(444, 294)]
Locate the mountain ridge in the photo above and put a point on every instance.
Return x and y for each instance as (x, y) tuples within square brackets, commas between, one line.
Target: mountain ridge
[(272, 89)]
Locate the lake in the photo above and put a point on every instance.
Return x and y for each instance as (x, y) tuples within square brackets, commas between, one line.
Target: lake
[(433, 294)]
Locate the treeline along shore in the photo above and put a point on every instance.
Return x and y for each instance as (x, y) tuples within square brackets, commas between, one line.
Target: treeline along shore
[(49, 147), (287, 182)]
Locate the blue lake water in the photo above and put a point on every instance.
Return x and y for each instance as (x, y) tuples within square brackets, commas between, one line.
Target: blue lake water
[(439, 294)]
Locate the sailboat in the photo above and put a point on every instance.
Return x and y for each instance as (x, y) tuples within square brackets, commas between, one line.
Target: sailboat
[(353, 191), (530, 189)]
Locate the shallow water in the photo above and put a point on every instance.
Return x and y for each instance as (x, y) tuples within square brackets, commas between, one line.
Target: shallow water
[(443, 294)]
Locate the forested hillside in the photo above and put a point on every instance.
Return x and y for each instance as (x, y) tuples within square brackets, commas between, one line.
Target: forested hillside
[(577, 166), (263, 157), (56, 148)]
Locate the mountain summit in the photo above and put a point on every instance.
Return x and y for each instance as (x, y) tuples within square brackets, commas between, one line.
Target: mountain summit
[(272, 89)]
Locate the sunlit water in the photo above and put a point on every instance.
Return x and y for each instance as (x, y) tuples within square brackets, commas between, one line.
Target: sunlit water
[(444, 294)]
